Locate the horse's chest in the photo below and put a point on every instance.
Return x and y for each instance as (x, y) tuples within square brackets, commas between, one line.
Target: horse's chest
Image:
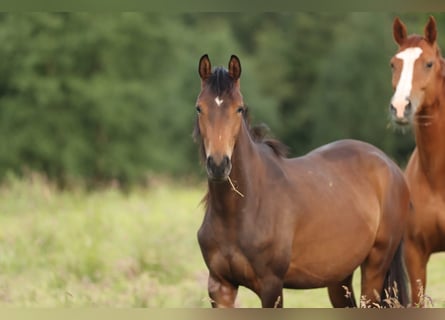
[(233, 265), (227, 258), (428, 222)]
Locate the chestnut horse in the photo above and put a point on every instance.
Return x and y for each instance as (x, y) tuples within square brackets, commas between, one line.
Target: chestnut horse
[(418, 78), (272, 222)]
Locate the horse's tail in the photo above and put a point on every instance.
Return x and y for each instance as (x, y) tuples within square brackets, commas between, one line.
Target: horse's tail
[(395, 291)]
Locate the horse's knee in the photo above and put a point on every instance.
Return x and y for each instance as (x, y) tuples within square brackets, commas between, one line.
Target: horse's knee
[(222, 294)]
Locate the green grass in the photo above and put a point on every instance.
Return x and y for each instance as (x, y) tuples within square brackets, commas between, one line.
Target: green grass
[(110, 249)]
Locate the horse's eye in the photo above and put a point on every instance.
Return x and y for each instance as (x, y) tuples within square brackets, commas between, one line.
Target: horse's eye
[(391, 65), (240, 110), (429, 64), (198, 109)]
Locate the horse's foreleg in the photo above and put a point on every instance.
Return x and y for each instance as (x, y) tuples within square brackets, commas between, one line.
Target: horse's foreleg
[(271, 293), (222, 293), (342, 294), (416, 261)]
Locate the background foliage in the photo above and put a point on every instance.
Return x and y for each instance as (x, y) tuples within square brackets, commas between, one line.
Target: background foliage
[(110, 97)]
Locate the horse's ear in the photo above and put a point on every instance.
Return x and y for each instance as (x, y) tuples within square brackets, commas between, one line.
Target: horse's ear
[(431, 30), (234, 67), (399, 31), (205, 67)]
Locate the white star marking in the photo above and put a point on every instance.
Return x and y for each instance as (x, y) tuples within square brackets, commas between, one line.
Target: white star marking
[(218, 101)]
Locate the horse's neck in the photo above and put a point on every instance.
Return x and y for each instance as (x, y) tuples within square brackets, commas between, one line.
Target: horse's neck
[(430, 140), (227, 197)]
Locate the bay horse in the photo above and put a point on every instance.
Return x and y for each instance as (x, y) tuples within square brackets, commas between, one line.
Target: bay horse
[(418, 78), (273, 222)]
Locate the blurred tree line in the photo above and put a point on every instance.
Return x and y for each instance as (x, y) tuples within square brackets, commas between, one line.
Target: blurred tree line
[(110, 97)]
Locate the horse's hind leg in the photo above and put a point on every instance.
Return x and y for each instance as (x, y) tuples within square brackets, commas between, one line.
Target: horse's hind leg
[(373, 272), (342, 294)]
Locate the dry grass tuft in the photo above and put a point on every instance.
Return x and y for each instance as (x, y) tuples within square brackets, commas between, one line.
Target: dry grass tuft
[(391, 299), (425, 301)]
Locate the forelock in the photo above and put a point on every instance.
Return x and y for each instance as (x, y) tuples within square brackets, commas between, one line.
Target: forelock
[(220, 81)]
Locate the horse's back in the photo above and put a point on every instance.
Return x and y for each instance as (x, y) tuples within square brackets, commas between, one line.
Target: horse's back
[(356, 158), (363, 166), (348, 150)]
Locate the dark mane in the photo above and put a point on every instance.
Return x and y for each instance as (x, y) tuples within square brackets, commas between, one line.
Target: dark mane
[(259, 134), (220, 81)]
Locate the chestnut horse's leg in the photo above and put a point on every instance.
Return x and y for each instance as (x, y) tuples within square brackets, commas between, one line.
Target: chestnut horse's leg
[(416, 261), (222, 293), (342, 294)]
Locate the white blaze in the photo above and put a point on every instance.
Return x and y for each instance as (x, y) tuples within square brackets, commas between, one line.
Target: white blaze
[(403, 89), (218, 101)]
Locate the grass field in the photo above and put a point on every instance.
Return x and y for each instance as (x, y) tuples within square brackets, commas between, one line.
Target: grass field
[(110, 249)]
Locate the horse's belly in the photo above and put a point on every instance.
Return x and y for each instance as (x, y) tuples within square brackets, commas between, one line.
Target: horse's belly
[(310, 276), (332, 242), (321, 263)]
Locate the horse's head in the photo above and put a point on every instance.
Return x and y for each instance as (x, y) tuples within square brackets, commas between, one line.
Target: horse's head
[(416, 67), (220, 109)]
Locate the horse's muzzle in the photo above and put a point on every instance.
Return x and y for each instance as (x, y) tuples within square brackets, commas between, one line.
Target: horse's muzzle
[(218, 171), (401, 115)]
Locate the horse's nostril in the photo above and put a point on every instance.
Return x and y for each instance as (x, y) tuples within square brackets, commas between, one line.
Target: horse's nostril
[(210, 161), (224, 162), (408, 106), (392, 108), (218, 169), (408, 109)]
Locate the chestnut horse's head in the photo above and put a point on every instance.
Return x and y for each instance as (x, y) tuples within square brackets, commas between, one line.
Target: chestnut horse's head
[(416, 69), (221, 111)]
